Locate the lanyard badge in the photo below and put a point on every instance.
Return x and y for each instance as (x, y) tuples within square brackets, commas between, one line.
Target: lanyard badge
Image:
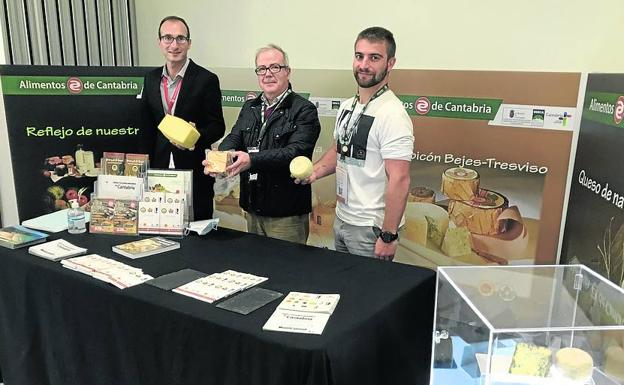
[(346, 130), (176, 91)]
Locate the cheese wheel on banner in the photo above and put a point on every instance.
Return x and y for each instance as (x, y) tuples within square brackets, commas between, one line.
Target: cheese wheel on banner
[(460, 184), (480, 215), (421, 194)]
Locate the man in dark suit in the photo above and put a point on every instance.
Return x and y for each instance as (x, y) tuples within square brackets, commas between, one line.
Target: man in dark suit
[(186, 90)]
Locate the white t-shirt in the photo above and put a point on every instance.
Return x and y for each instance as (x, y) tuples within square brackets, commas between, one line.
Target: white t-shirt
[(385, 131)]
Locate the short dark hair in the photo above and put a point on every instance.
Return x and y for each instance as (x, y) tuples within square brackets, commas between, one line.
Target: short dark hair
[(175, 18), (377, 34)]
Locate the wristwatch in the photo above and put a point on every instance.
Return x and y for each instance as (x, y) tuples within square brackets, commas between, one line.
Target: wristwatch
[(386, 236)]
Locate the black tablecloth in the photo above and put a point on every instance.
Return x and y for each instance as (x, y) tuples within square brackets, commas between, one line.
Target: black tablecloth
[(58, 326)]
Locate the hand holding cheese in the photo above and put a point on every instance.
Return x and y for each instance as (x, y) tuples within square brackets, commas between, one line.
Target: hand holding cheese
[(301, 167), (178, 131)]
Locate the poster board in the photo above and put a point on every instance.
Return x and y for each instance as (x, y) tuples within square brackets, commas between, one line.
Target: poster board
[(49, 111), (514, 128), (594, 229)]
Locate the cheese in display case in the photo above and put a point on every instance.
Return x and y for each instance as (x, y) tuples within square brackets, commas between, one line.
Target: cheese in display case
[(533, 325)]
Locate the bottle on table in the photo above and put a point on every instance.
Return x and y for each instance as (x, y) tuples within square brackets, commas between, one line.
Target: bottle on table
[(76, 223)]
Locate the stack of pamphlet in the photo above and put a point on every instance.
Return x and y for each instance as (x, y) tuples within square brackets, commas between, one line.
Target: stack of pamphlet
[(56, 250), (113, 216), (303, 313), (144, 247), (107, 270), (219, 285), (14, 237)]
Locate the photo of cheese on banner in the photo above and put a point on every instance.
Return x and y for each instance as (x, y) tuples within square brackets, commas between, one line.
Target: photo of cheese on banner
[(421, 194), (464, 222), (460, 183)]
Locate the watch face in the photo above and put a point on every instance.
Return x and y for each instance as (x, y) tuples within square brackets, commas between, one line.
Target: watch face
[(385, 236), (388, 237)]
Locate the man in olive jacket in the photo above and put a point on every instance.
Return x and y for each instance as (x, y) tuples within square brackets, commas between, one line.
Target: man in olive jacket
[(272, 130)]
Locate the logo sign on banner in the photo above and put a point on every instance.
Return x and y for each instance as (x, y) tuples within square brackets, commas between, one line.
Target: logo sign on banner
[(236, 98), (59, 121), (594, 230), (451, 107), (604, 107)]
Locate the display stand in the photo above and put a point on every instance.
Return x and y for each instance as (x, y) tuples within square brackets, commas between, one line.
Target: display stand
[(166, 205), (117, 192), (499, 325)]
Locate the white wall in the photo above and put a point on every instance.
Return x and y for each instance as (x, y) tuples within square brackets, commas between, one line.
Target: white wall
[(533, 35)]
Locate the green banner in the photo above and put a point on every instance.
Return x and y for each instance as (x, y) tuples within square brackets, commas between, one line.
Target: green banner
[(71, 85), (451, 107), (604, 107), (236, 98)]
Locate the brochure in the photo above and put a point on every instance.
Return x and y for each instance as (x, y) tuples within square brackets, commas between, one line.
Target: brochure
[(219, 285), (14, 237), (303, 313), (107, 270), (144, 247), (56, 250)]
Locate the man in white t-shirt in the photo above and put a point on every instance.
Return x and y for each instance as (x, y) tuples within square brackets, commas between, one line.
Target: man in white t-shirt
[(371, 155)]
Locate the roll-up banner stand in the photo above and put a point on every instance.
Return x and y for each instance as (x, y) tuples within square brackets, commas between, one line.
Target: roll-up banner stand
[(594, 229), (504, 137), (51, 113)]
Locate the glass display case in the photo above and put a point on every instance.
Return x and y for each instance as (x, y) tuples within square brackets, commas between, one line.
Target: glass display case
[(513, 325)]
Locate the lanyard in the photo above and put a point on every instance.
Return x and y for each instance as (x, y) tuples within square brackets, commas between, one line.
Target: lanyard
[(347, 133), (170, 102), (264, 121)]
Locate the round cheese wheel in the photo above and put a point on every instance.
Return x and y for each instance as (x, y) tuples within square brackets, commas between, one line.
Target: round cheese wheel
[(421, 194), (574, 363), (480, 214), (301, 167), (460, 183)]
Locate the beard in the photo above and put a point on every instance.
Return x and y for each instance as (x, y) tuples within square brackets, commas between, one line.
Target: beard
[(374, 80)]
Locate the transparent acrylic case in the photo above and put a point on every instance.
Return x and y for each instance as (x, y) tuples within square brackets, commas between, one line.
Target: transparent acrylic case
[(512, 324)]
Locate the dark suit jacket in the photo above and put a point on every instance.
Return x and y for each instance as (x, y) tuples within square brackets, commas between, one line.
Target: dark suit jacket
[(199, 101)]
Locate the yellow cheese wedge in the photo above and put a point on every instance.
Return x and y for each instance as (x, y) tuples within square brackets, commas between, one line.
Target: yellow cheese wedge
[(456, 242), (179, 131), (301, 167), (416, 229), (218, 161), (436, 217)]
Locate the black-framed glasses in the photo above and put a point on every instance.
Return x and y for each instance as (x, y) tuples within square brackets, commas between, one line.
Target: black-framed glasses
[(180, 39), (273, 68)]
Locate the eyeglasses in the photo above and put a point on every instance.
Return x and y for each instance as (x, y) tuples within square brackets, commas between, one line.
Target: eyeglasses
[(273, 68), (180, 39)]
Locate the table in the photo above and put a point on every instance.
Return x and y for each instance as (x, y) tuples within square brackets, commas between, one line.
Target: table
[(58, 326)]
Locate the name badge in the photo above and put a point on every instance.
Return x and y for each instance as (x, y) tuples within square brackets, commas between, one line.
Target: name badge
[(251, 150), (342, 184)]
